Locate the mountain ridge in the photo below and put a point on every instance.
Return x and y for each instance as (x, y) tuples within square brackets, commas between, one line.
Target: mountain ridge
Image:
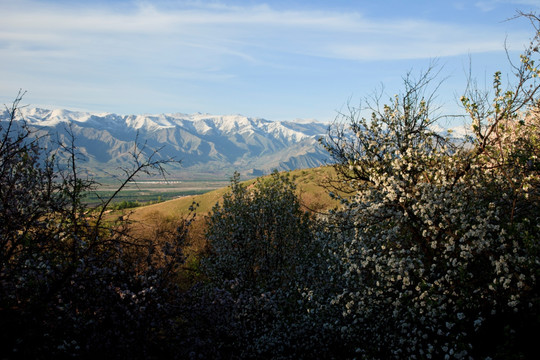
[(205, 143)]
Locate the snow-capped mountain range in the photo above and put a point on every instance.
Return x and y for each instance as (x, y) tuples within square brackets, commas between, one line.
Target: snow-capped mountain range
[(218, 144)]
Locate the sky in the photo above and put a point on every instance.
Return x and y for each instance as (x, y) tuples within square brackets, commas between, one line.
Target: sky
[(279, 60)]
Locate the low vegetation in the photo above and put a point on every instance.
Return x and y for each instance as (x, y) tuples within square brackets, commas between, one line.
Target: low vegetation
[(425, 247)]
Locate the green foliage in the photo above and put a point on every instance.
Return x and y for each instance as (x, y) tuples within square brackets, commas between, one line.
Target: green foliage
[(125, 205), (263, 251), (257, 234)]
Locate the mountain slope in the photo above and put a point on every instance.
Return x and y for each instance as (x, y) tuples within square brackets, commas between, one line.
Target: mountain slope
[(204, 143)]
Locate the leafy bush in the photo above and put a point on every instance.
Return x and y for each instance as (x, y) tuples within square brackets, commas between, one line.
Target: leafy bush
[(257, 235), (263, 251)]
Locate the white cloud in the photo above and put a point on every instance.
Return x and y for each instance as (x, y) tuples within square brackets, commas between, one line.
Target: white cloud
[(204, 36), (112, 54)]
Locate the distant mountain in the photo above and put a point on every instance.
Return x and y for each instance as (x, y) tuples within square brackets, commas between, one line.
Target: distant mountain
[(210, 144)]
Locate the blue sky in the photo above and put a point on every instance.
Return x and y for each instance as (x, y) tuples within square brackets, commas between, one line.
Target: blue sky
[(280, 60)]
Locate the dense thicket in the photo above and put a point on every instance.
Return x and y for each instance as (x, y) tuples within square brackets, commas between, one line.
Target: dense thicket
[(71, 284), (435, 253)]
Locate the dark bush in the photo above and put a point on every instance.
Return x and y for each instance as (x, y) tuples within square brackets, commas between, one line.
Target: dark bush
[(72, 284)]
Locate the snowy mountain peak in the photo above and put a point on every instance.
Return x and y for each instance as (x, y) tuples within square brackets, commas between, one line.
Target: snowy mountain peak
[(215, 143), (205, 123)]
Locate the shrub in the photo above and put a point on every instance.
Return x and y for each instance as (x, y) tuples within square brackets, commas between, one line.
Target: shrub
[(439, 254), (263, 252), (71, 284)]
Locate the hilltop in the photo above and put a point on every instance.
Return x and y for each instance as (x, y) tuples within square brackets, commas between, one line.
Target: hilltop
[(312, 186)]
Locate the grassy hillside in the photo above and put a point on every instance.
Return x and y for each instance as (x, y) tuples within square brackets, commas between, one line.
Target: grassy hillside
[(162, 218), (311, 187)]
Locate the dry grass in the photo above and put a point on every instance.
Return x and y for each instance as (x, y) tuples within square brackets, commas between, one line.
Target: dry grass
[(160, 219)]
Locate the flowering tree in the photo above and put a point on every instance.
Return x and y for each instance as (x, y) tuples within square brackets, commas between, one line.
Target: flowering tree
[(70, 283), (444, 252), (435, 254)]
